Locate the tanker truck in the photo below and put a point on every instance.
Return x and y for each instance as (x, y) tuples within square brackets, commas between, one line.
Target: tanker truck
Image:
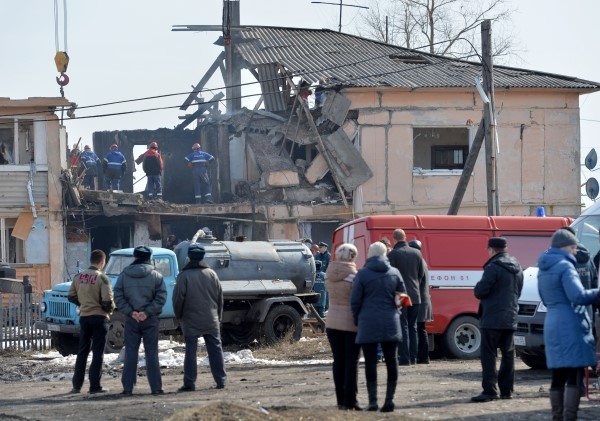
[(267, 286)]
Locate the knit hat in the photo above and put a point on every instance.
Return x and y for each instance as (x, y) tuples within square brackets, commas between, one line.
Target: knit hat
[(196, 252), (497, 242), (142, 252), (562, 238)]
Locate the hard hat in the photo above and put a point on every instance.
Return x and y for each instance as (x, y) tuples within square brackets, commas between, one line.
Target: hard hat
[(196, 146), (87, 147), (113, 147), (153, 145)]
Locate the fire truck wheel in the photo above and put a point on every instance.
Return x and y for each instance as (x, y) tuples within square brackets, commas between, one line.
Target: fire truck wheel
[(65, 344), (463, 338), (282, 322), (116, 333)]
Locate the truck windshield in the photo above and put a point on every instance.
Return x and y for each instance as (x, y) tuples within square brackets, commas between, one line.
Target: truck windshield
[(586, 228), (117, 263)]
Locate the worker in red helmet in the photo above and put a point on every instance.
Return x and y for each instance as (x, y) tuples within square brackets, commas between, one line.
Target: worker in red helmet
[(199, 160), (114, 166), (152, 164), (89, 165)]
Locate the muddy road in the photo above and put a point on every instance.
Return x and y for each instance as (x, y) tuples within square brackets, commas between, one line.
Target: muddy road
[(299, 387)]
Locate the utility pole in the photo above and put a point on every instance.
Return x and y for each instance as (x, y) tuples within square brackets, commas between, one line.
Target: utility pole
[(341, 4), (233, 77), (491, 158)]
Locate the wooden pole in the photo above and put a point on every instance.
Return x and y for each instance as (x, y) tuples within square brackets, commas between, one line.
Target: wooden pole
[(467, 171), (233, 91), (488, 117)]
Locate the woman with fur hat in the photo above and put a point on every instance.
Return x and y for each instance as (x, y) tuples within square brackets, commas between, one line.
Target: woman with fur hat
[(567, 328)]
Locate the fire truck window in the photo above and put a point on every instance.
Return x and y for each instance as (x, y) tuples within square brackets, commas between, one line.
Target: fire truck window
[(456, 251), (526, 248)]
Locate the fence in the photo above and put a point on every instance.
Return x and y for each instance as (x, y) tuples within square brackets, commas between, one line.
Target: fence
[(19, 310)]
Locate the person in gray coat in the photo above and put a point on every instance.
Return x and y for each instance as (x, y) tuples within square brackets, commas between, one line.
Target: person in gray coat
[(425, 311), (375, 312), (140, 294), (198, 305)]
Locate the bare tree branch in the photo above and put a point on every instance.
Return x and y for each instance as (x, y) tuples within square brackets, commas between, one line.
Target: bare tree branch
[(444, 27)]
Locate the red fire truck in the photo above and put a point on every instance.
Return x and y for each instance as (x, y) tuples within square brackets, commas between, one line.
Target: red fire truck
[(455, 249)]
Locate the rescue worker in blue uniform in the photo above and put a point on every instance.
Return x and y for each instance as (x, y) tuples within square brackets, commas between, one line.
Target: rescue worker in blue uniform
[(198, 160), (90, 163), (114, 166)]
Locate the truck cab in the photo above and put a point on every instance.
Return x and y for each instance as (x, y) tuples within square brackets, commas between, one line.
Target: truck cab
[(266, 288), (529, 337)]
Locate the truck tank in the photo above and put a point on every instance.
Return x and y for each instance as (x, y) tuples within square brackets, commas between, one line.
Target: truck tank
[(257, 267)]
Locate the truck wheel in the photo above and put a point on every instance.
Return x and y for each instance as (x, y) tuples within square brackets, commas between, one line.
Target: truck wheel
[(281, 321), (537, 362), (116, 333), (241, 334), (65, 344), (463, 338)]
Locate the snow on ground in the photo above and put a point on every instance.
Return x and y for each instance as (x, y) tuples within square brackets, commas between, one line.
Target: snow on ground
[(171, 354)]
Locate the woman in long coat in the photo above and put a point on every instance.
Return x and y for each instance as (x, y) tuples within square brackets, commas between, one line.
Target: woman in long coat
[(568, 339), (340, 327), (376, 314)]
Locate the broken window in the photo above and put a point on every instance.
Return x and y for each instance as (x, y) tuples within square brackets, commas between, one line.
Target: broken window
[(17, 143), (440, 148), (12, 249)]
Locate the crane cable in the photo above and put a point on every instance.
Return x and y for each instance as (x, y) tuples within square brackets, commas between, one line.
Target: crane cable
[(61, 59)]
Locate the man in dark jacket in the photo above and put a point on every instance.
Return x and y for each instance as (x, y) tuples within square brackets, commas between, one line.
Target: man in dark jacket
[(140, 294), (498, 291), (152, 164), (409, 262), (323, 256), (91, 290), (198, 305)]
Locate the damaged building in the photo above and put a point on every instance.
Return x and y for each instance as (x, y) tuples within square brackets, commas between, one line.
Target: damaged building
[(344, 127)]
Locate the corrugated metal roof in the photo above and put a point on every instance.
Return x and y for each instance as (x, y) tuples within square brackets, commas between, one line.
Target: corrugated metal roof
[(348, 60)]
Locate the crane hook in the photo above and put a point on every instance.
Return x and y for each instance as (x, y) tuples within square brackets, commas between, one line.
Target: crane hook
[(63, 80)]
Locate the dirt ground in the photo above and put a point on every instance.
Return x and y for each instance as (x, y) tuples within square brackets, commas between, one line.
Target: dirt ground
[(293, 391)]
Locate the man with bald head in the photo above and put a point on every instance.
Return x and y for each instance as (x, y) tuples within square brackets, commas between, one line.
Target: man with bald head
[(409, 262)]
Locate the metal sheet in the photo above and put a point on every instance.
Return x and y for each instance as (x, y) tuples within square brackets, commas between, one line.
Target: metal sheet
[(350, 167)]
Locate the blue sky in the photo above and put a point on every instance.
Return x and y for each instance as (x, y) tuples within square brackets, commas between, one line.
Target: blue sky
[(125, 49)]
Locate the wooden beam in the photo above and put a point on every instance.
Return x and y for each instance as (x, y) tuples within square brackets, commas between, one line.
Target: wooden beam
[(467, 171), (203, 81)]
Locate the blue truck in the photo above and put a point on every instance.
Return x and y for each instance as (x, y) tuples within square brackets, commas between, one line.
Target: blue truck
[(267, 289)]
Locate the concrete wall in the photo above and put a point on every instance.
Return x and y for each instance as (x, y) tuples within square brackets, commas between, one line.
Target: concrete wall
[(538, 162)]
